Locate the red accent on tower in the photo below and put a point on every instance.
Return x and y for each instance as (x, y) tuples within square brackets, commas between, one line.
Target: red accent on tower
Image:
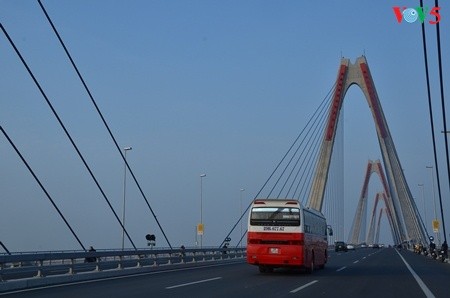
[(337, 102), (373, 99)]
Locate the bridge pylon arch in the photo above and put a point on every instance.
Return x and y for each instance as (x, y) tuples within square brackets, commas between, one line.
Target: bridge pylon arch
[(404, 209), (358, 228), (375, 229)]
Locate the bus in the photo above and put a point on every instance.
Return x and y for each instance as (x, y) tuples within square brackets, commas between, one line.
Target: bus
[(283, 233)]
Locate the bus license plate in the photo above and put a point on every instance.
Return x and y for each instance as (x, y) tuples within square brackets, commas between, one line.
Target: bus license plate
[(274, 250)]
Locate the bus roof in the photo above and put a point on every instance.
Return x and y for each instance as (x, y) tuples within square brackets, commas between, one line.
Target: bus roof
[(285, 202), (276, 202)]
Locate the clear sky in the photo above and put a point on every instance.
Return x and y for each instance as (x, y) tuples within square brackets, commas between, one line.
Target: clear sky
[(214, 87)]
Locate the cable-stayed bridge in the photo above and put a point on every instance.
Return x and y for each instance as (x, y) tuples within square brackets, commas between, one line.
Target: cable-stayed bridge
[(309, 171), (406, 219), (285, 181)]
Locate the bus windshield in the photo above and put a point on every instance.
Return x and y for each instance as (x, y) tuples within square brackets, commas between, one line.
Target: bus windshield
[(275, 216)]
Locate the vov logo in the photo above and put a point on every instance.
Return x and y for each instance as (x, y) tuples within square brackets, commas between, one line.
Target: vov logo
[(411, 15)]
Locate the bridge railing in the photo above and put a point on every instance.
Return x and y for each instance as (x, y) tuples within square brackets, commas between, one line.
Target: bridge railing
[(41, 264)]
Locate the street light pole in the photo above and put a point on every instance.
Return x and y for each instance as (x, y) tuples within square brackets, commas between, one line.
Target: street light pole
[(436, 234), (424, 205), (242, 189), (124, 193), (201, 209)]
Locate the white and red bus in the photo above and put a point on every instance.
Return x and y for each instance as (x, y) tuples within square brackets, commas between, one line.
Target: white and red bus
[(283, 233)]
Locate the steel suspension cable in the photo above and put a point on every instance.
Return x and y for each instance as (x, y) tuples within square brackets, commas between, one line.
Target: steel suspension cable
[(309, 170), (311, 132), (65, 130), (56, 32), (312, 160), (42, 187), (311, 149), (301, 133), (441, 84), (430, 107), (103, 119), (273, 172), (307, 150)]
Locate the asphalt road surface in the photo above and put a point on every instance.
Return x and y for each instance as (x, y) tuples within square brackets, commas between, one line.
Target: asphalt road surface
[(360, 273)]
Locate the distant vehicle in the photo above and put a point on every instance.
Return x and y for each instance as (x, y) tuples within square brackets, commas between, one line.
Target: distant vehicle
[(363, 245), (376, 246), (350, 247), (283, 233), (340, 246)]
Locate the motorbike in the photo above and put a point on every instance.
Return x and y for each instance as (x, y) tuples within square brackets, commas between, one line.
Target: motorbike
[(434, 254), (442, 255), (90, 259)]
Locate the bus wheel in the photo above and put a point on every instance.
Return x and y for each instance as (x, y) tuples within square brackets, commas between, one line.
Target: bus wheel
[(310, 270), (324, 261)]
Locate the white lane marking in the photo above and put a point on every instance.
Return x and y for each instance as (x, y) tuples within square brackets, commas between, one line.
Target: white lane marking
[(422, 285), (364, 258), (304, 286), (355, 261), (340, 269), (193, 283)]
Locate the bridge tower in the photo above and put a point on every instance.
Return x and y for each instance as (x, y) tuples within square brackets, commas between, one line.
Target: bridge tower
[(404, 209), (359, 221), (358, 229), (371, 237), (377, 235)]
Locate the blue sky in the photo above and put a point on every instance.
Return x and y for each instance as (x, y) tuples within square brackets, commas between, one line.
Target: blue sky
[(213, 87)]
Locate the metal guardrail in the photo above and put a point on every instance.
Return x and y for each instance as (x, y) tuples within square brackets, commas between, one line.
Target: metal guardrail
[(39, 265)]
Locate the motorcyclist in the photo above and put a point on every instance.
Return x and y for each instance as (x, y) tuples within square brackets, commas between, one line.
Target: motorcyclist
[(433, 249), (444, 249), (424, 250), (432, 246), (91, 259), (418, 248), (225, 246)]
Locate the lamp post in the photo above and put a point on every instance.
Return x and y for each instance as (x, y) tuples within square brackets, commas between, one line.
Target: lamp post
[(424, 205), (242, 189), (195, 235), (201, 209), (124, 193), (436, 234)]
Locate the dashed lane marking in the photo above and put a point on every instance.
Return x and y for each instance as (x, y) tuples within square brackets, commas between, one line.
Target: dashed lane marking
[(304, 286), (193, 283)]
